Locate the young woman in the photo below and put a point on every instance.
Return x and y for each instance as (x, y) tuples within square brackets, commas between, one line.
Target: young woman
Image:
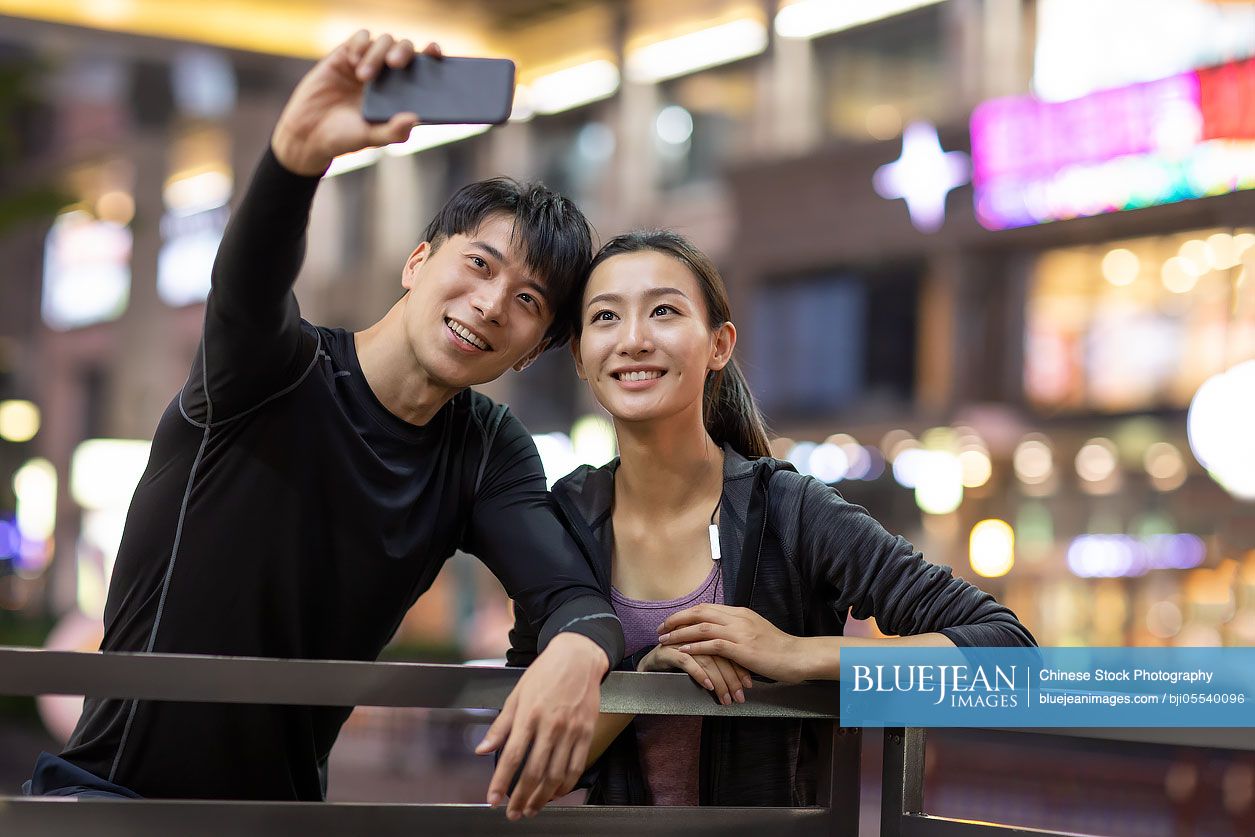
[(721, 561)]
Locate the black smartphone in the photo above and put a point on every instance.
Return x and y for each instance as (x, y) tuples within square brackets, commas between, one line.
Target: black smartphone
[(443, 91)]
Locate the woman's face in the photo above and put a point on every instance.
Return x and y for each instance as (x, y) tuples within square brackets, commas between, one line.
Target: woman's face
[(645, 348)]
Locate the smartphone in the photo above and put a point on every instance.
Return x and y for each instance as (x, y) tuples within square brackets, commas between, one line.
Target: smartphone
[(443, 91)]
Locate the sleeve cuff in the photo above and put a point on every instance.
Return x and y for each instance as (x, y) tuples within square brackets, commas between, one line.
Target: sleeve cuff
[(589, 616)]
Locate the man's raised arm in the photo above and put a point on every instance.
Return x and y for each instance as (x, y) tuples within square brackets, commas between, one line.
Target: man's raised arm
[(253, 343)]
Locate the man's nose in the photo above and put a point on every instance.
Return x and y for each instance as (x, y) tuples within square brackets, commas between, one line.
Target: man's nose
[(490, 301)]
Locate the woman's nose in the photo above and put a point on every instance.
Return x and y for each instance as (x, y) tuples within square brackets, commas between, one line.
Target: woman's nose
[(635, 337)]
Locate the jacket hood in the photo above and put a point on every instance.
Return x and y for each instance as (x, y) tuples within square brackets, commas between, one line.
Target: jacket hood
[(586, 497)]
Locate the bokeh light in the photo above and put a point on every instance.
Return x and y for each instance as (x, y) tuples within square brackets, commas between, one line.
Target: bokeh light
[(1033, 460), (991, 548), (1120, 267), (1096, 460), (1219, 425), (19, 420)]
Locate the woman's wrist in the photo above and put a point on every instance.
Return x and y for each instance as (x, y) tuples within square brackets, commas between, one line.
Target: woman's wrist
[(818, 657)]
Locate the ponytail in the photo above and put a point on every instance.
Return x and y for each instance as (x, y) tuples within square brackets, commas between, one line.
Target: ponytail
[(731, 415)]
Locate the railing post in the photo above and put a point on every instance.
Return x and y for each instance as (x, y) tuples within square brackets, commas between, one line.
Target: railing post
[(902, 788), (838, 781)]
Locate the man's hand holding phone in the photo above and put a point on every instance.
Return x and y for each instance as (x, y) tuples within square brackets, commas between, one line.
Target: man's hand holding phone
[(323, 118)]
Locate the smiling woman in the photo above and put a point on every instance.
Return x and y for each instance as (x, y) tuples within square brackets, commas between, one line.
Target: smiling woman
[(720, 561)]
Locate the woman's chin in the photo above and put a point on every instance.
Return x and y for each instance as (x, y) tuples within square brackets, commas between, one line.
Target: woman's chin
[(635, 413)]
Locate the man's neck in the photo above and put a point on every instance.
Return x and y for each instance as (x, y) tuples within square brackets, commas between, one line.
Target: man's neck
[(394, 375), (667, 466)]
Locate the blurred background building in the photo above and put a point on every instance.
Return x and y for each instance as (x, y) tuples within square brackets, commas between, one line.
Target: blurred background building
[(992, 262)]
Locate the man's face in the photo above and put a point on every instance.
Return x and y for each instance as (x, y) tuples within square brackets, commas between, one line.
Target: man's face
[(473, 310)]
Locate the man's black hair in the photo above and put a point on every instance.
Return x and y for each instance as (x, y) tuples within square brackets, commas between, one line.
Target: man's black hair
[(553, 236)]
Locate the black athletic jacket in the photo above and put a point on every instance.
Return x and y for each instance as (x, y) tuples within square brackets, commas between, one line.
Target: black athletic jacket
[(798, 554)]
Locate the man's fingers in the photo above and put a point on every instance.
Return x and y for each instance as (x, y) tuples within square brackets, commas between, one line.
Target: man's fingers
[(356, 45), (498, 730), (743, 675), (508, 765), (396, 129), (369, 66), (534, 777), (401, 54), (577, 764), (553, 777), (433, 49)]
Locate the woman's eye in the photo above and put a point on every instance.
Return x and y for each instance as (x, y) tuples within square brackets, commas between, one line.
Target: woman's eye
[(663, 309), (603, 316), (528, 299)]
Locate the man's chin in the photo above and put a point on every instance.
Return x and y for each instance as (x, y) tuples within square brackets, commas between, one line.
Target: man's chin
[(461, 376)]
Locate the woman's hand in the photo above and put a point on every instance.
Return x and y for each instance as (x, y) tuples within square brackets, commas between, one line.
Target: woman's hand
[(737, 634), (721, 676)]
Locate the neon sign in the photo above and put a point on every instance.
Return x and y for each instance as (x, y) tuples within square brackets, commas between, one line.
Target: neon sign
[(1187, 136)]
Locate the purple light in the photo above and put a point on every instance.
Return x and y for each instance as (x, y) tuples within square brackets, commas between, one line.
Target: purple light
[(10, 539), (1179, 552), (1119, 556), (923, 176)]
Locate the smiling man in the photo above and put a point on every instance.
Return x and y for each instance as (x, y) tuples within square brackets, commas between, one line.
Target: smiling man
[(307, 483)]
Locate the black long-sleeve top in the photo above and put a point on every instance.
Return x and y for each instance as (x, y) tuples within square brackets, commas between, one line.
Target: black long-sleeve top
[(284, 512)]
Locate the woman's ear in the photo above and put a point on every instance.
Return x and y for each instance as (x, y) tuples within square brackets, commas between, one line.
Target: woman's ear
[(579, 361), (722, 346)]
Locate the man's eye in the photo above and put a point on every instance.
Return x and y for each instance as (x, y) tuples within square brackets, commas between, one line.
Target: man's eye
[(529, 299), (480, 263)]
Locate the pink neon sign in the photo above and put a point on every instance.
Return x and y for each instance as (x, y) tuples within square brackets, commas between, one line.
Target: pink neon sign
[(1182, 137)]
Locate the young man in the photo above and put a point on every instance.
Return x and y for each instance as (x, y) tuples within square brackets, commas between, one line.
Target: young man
[(307, 483)]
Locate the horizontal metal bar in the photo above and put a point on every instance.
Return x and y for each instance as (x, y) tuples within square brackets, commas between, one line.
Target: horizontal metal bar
[(50, 817), (1223, 738), (924, 825), (28, 671)]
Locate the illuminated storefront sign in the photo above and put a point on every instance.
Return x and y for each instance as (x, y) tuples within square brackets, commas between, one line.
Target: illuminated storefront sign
[(87, 270), (1186, 136)]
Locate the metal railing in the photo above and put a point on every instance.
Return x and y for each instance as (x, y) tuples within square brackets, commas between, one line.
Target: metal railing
[(902, 790), (29, 672)]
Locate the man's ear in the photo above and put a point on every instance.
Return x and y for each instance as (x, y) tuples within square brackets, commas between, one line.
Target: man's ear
[(421, 253), (724, 343), (532, 355), (579, 360)]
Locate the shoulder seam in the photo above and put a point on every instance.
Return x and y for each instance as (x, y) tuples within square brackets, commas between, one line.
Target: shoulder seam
[(300, 379)]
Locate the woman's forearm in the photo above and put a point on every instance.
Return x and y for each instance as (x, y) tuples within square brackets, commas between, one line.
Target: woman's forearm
[(819, 657), (605, 731)]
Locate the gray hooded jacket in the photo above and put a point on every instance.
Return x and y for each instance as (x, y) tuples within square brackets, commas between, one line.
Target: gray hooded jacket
[(795, 552)]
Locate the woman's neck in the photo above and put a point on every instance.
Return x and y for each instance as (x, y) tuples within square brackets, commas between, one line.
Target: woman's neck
[(667, 466)]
